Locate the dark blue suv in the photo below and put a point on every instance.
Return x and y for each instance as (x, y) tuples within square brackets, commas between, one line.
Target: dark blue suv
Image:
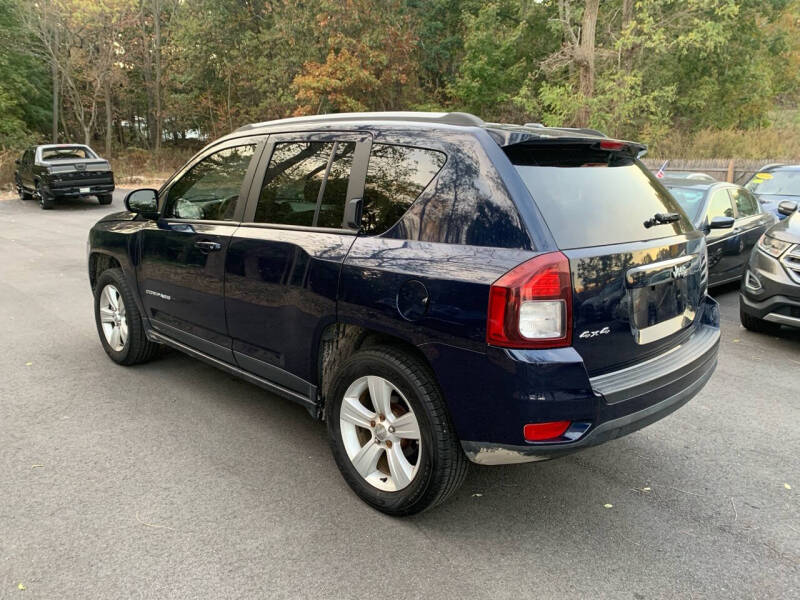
[(438, 289)]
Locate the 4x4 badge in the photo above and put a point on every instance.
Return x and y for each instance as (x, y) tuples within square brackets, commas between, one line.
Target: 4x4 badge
[(594, 333)]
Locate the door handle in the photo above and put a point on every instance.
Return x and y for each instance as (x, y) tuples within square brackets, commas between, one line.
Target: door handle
[(208, 246)]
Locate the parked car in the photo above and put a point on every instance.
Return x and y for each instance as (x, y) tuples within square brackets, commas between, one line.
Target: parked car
[(731, 218), (418, 281), (770, 292), (775, 183), (54, 171)]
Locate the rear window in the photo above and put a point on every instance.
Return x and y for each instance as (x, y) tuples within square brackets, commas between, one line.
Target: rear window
[(779, 183), (593, 197), (66, 153)]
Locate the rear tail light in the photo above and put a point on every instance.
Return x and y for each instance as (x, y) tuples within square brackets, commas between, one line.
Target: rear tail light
[(531, 305), (540, 432)]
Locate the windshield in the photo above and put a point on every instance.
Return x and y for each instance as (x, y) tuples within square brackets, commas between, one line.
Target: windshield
[(592, 197), (779, 183), (66, 153), (690, 200)]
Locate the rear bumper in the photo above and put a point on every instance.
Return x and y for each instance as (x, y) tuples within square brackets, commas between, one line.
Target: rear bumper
[(624, 400), (62, 190)]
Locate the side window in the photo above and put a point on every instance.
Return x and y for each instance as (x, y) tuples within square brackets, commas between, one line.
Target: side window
[(396, 176), (745, 202), (209, 191), (295, 176), (292, 183), (720, 205)]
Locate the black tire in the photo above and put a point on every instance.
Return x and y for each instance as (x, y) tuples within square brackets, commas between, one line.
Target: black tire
[(758, 325), (105, 198), (23, 195), (137, 348), (441, 463), (46, 201)]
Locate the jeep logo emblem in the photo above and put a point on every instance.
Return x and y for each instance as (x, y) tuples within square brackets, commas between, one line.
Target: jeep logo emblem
[(680, 271)]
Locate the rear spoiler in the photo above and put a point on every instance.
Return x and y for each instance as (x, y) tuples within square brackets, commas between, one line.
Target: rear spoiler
[(634, 149)]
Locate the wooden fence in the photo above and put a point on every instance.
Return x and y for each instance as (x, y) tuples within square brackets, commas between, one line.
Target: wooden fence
[(722, 169)]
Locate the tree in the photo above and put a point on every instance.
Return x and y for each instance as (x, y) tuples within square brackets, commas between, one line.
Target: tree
[(494, 65), (369, 59), (24, 89)]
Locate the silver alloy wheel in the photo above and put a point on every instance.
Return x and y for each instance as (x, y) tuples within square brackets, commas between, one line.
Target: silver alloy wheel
[(112, 317), (380, 433)]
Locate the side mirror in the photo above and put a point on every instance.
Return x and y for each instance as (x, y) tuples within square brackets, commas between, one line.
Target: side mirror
[(721, 223), (787, 207), (143, 202), (352, 214)]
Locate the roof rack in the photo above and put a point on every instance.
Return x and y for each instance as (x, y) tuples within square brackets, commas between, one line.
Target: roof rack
[(450, 118)]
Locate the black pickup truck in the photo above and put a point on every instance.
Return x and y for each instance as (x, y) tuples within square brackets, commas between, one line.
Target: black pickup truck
[(55, 171)]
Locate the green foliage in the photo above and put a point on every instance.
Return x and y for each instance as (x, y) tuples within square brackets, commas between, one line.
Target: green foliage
[(493, 66), (662, 69), (369, 59), (24, 84)]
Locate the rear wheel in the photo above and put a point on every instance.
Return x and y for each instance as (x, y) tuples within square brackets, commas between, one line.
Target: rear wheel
[(23, 194), (390, 433), (46, 201), (104, 198), (119, 322), (758, 325)]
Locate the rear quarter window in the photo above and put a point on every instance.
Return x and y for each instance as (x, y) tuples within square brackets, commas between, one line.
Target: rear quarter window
[(396, 176), (593, 197)]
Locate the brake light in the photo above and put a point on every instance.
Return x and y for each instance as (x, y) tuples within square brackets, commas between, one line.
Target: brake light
[(611, 145), (531, 305), (540, 432)]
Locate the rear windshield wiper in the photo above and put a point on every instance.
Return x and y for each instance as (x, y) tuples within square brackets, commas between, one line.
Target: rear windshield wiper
[(662, 219)]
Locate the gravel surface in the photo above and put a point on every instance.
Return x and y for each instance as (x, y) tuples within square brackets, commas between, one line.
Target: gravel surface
[(175, 480)]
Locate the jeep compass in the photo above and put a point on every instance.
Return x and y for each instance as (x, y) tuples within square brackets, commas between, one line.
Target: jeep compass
[(437, 289)]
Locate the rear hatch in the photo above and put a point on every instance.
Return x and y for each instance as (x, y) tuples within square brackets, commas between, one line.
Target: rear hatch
[(638, 280)]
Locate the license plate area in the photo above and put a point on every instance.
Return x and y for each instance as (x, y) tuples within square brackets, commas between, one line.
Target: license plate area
[(84, 190), (663, 297)]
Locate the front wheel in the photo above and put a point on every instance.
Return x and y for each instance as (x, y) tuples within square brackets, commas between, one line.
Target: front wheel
[(390, 433), (119, 322)]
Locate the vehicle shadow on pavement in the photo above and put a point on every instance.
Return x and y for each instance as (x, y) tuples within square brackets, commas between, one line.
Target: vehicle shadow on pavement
[(67, 204), (654, 497), (529, 494)]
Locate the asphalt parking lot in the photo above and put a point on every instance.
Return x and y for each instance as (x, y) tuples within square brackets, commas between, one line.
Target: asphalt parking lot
[(175, 480)]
